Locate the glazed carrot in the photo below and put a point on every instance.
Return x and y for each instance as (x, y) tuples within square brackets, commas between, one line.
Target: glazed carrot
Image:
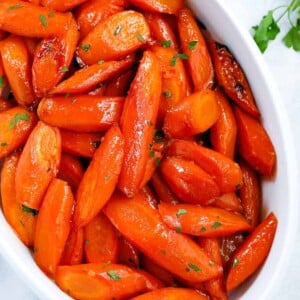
[(73, 251), (70, 170), (138, 121), (53, 222), (92, 12), (232, 79), (81, 113), (17, 66), (162, 6), (80, 143), (202, 221), (117, 36), (31, 44), (37, 21), (252, 253), (188, 181), (140, 223), (254, 143), (229, 201), (192, 115), (100, 179), (20, 218), (58, 5), (101, 242), (128, 254), (53, 57), (3, 80), (38, 165), (161, 29), (250, 194), (15, 126), (6, 104), (118, 87), (103, 281), (225, 171), (193, 44), (223, 132), (87, 78)]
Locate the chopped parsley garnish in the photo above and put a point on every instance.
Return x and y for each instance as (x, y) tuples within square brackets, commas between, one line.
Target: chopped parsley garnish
[(166, 44), (1, 81), (216, 225), (51, 14), (202, 229), (43, 20), (157, 161), (178, 229), (17, 118), (140, 37), (180, 212), (211, 263), (101, 62), (16, 6), (113, 275), (3, 144), (194, 267), (29, 210), (152, 153), (235, 263), (150, 123), (176, 56), (67, 95), (106, 178), (167, 94), (96, 144), (192, 45), (158, 136), (85, 47), (64, 69), (118, 30)]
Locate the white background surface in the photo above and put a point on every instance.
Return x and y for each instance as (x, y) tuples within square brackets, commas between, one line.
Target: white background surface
[(284, 65)]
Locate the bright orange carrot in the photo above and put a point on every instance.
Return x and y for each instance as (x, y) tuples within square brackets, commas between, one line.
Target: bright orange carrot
[(82, 113), (6, 104), (3, 81), (15, 126), (162, 6), (138, 121), (53, 222), (118, 87), (101, 242), (58, 5), (128, 254), (38, 165), (229, 201), (100, 179), (20, 218), (112, 39)]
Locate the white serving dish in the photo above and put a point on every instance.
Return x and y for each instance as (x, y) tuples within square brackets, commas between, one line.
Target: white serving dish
[(279, 194)]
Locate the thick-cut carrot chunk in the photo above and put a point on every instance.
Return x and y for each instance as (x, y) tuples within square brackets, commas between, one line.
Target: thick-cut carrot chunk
[(162, 6), (59, 5)]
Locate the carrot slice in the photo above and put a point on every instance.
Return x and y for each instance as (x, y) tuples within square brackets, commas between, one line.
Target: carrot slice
[(229, 201), (100, 179), (162, 6), (138, 121), (140, 223), (53, 222), (5, 104), (61, 6), (118, 87), (128, 254), (38, 165)]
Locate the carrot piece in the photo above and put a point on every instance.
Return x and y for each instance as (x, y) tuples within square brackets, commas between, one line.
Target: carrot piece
[(87, 78), (31, 44), (225, 171), (161, 29), (15, 126), (232, 79), (112, 39), (128, 254), (20, 218), (229, 201), (38, 164), (252, 253), (82, 113), (5, 104), (17, 66), (80, 143), (70, 170), (37, 21), (202, 221), (3, 81), (193, 44), (100, 240), (137, 122), (223, 132), (53, 222), (161, 6), (53, 57), (192, 115), (254, 144), (140, 223), (250, 194), (73, 251), (100, 179), (101, 281), (62, 6), (92, 12), (118, 87)]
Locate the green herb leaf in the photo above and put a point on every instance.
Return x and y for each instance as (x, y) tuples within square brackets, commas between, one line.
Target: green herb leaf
[(64, 69), (166, 44), (176, 56), (202, 229), (216, 225), (152, 153), (43, 20), (140, 37), (113, 275), (167, 94), (85, 47), (16, 6), (292, 38), (178, 229), (51, 14), (157, 161), (1, 81), (101, 61), (180, 212), (17, 118), (29, 210), (192, 45), (235, 263), (194, 267), (158, 136), (118, 30)]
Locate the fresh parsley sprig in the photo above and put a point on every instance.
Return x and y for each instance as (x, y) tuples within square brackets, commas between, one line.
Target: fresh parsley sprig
[(268, 28)]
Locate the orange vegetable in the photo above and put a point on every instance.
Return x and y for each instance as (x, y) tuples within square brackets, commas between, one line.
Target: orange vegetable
[(101, 242), (3, 80), (138, 121), (254, 143), (162, 6), (192, 115), (5, 104), (252, 253), (83, 113), (53, 222), (118, 87), (15, 126), (199, 63), (229, 201), (61, 5), (38, 165), (202, 221), (20, 218), (128, 254), (17, 66), (115, 37), (140, 223), (100, 179)]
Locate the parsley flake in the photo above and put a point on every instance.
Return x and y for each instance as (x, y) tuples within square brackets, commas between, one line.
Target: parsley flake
[(178, 229), (166, 44), (180, 212), (51, 14), (43, 20), (17, 118), (176, 56), (157, 161), (1, 81), (113, 275), (167, 94), (216, 225), (140, 37), (118, 30), (235, 263), (194, 267), (73, 100), (101, 61), (64, 69), (152, 153), (192, 45), (29, 210), (202, 229), (15, 6), (85, 47)]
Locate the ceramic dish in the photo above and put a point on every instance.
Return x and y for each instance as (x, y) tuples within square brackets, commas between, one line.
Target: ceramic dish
[(279, 194)]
